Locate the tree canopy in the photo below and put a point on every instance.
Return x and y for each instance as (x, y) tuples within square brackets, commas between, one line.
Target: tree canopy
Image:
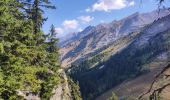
[(27, 61)]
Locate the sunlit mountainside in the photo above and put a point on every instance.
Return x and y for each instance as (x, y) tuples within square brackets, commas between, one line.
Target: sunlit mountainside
[(84, 50)]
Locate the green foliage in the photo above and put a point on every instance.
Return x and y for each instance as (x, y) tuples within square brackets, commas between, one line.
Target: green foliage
[(34, 11), (113, 97), (26, 63), (75, 92)]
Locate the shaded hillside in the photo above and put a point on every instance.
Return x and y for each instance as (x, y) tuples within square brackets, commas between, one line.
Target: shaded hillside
[(104, 53), (133, 88), (127, 63)]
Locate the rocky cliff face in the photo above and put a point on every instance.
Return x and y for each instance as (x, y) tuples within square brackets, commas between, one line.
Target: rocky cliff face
[(156, 27), (61, 92)]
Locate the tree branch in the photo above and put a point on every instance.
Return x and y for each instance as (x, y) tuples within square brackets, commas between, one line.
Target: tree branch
[(156, 77)]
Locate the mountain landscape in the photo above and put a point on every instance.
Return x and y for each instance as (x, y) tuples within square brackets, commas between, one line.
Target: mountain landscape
[(103, 34), (84, 50), (114, 57)]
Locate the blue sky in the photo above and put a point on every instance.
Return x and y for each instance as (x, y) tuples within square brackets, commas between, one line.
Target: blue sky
[(74, 15)]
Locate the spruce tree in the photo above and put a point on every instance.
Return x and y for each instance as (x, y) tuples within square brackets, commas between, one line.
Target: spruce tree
[(34, 11), (26, 63)]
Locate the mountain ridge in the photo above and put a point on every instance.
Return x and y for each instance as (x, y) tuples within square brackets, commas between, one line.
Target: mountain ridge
[(131, 62), (103, 34)]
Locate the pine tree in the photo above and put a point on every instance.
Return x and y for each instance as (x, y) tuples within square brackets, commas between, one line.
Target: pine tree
[(75, 89), (52, 39), (34, 11), (24, 65)]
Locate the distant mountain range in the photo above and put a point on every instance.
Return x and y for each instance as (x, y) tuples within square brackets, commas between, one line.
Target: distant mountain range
[(93, 38), (75, 36)]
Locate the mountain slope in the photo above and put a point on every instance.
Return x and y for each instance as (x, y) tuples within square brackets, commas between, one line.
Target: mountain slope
[(127, 63), (76, 36), (104, 34), (133, 88)]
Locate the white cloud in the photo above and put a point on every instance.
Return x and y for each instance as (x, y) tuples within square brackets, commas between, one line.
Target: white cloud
[(131, 3), (59, 30), (88, 10), (85, 19), (108, 5), (70, 24), (80, 29)]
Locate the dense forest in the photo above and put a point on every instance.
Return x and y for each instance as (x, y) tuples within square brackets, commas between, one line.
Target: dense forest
[(126, 64), (29, 60)]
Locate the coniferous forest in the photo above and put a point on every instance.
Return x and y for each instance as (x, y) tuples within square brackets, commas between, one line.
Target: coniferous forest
[(29, 59)]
